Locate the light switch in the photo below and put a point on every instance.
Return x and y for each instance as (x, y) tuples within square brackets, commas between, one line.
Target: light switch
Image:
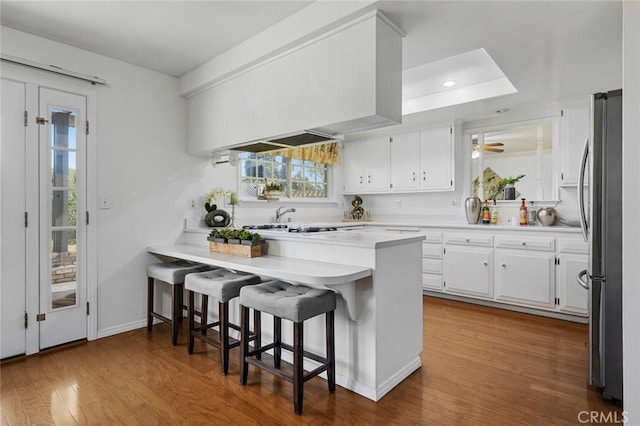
[(105, 203)]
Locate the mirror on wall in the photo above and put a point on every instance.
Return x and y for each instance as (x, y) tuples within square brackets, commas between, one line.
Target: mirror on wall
[(511, 151)]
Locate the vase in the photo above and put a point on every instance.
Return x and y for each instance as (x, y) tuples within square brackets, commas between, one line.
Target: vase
[(472, 207), (510, 192)]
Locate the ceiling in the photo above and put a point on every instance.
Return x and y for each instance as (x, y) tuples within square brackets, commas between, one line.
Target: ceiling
[(550, 51)]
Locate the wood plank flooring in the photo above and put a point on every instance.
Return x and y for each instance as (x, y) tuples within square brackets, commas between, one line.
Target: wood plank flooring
[(481, 366)]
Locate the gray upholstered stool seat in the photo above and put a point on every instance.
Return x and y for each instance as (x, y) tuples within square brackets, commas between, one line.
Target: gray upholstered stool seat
[(297, 304), (224, 285), (172, 273)]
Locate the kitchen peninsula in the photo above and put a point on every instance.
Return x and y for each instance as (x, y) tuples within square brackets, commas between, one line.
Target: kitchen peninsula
[(378, 275)]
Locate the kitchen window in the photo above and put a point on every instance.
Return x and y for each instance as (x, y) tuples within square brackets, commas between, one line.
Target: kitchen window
[(299, 179)]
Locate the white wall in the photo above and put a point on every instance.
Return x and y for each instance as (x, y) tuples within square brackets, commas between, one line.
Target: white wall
[(630, 209)]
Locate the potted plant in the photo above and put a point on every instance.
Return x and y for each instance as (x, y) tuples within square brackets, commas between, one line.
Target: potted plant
[(272, 190), (234, 236), (216, 235), (508, 184), (249, 238)]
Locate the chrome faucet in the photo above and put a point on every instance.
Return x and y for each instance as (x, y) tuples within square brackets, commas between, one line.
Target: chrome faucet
[(280, 212)]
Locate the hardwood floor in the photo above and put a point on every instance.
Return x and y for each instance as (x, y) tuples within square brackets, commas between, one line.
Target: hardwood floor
[(481, 366)]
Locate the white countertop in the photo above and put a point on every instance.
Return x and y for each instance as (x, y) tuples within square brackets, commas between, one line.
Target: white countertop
[(301, 271), (457, 225)]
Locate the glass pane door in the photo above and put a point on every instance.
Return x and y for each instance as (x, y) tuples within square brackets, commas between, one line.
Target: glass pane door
[(63, 275)]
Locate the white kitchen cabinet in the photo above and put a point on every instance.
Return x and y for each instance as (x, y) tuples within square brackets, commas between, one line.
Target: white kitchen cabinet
[(572, 298), (525, 277), (468, 271), (574, 129), (366, 166), (432, 266), (423, 161), (436, 159), (405, 161)]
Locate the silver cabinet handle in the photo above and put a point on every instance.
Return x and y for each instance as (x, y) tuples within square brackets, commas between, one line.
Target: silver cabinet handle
[(369, 181), (414, 176), (424, 175), (485, 263), (361, 181), (466, 239), (504, 265), (524, 243), (581, 282)]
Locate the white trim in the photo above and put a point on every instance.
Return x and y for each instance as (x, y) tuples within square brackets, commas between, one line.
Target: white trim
[(397, 378), (122, 328), (52, 69)]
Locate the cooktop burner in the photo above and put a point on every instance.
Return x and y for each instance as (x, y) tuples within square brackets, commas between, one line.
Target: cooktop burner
[(313, 229)]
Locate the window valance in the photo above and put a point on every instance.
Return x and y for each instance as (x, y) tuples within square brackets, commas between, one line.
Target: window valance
[(326, 153)]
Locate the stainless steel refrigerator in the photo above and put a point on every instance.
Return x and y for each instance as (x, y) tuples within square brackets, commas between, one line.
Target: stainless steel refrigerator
[(601, 221)]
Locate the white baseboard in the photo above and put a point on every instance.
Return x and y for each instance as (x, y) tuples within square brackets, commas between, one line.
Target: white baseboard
[(395, 380), (106, 332)]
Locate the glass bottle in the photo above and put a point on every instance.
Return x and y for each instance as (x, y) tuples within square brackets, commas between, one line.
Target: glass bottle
[(532, 214), (494, 213), (523, 213), (486, 215)]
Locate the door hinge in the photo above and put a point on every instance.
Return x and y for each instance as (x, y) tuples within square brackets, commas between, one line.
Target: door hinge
[(557, 262), (87, 127), (561, 176), (561, 113), (390, 140), (26, 219), (390, 185), (41, 317), (444, 283), (87, 308), (87, 217), (444, 251), (451, 182), (26, 119), (450, 130), (26, 320), (41, 121)]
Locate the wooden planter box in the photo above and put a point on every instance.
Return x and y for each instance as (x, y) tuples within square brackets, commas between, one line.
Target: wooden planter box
[(235, 249)]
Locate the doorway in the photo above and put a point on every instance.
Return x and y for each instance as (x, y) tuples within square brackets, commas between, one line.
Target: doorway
[(44, 218)]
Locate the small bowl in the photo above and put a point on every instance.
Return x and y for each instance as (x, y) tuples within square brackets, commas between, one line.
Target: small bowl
[(546, 216)]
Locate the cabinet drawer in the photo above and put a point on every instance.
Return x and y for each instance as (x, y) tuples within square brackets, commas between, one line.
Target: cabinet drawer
[(432, 251), (478, 240), (527, 243), (572, 246), (432, 266), (433, 237), (432, 282)]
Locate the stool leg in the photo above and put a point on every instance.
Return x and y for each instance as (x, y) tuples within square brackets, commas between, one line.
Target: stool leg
[(331, 350), (204, 309), (149, 303), (257, 327), (298, 382), (180, 304), (244, 343), (223, 313), (175, 306), (191, 321), (277, 339)]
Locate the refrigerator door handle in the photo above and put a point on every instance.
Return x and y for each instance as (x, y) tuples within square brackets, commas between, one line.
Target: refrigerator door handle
[(584, 283), (581, 207)]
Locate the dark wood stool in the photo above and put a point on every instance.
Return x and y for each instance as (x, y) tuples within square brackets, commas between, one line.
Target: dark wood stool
[(172, 273), (223, 285), (296, 304)]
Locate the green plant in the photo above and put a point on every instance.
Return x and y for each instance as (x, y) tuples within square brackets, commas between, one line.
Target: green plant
[(255, 237), (246, 235), (511, 180), (273, 186)]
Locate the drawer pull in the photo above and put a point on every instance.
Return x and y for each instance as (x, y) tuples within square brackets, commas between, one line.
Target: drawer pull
[(504, 265), (524, 243), (485, 263), (466, 239)]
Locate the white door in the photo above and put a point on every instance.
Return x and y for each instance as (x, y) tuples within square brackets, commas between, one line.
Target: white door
[(468, 270), (377, 155), (436, 158), (525, 277), (354, 167), (405, 160), (13, 229), (63, 289), (571, 297)]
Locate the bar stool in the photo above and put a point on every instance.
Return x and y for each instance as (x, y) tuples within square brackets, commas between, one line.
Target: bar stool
[(223, 285), (294, 303), (172, 273)]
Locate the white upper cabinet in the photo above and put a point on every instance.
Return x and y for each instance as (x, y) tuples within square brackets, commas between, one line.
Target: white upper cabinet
[(366, 165), (436, 159), (574, 130), (347, 80), (405, 161)]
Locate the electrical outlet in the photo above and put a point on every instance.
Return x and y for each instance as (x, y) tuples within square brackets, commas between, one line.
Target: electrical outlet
[(192, 203), (105, 203), (398, 203), (454, 202)]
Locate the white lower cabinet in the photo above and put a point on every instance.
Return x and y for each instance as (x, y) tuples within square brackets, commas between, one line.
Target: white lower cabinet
[(468, 271), (572, 298), (525, 277), (432, 261)]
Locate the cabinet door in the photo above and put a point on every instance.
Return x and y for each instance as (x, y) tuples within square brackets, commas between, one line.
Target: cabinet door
[(572, 297), (405, 161), (354, 167), (468, 270), (377, 161), (574, 129), (432, 282), (436, 159), (525, 277)]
